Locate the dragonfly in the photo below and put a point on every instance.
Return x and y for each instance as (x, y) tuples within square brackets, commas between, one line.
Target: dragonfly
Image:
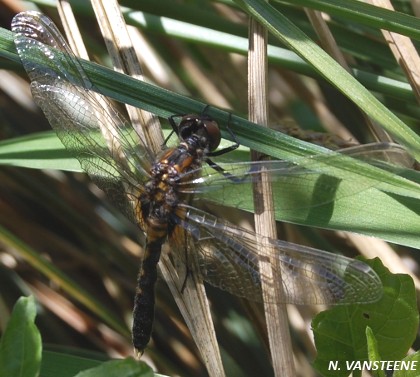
[(165, 194)]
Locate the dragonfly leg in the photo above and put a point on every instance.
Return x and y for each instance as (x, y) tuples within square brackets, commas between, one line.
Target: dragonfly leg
[(187, 275), (222, 171)]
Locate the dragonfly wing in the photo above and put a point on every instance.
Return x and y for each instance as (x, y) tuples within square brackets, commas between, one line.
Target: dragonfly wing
[(223, 264), (298, 186), (229, 257), (87, 124)]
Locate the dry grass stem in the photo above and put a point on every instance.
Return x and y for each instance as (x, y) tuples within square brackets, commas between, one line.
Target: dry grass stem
[(121, 50), (275, 314), (192, 301), (404, 51)]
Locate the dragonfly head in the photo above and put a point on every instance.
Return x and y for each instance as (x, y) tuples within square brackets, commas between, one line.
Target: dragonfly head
[(201, 126)]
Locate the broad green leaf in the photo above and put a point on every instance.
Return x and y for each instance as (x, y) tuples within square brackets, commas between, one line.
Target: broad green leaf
[(20, 346), (334, 197), (119, 368), (68, 365), (65, 364), (409, 367), (340, 332)]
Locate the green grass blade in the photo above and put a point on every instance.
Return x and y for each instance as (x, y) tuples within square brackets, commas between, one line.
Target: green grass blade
[(296, 40), (367, 14), (369, 200)]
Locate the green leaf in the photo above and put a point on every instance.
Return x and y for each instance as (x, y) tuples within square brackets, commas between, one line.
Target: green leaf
[(20, 346), (373, 351), (409, 367), (119, 368), (42, 150), (65, 364), (336, 193), (68, 365), (340, 332)]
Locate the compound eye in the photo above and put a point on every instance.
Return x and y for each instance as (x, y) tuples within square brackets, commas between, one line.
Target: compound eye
[(213, 132)]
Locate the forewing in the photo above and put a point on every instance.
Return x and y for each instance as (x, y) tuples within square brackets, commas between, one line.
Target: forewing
[(298, 186), (87, 124), (229, 258)]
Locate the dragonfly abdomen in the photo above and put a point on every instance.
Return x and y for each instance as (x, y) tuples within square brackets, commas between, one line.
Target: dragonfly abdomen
[(144, 301), (155, 204)]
